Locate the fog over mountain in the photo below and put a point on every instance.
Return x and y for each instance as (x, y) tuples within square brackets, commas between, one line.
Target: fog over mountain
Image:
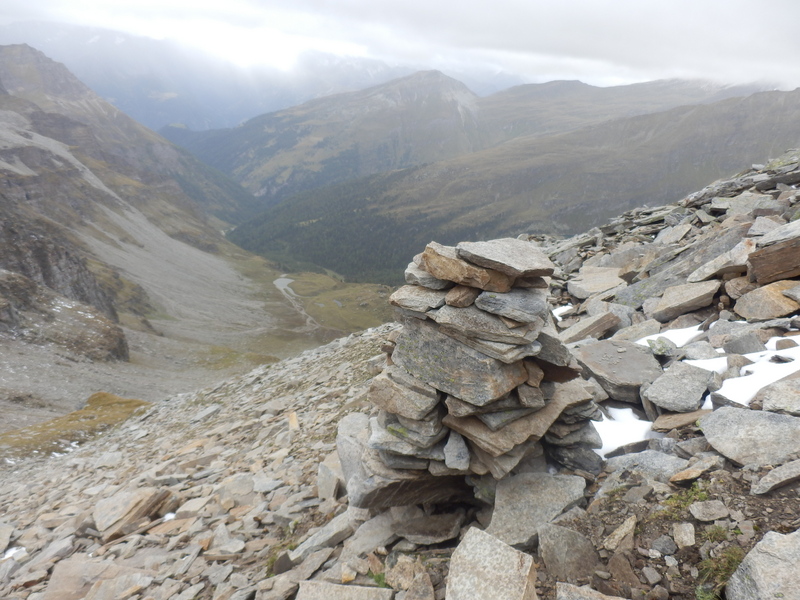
[(161, 82)]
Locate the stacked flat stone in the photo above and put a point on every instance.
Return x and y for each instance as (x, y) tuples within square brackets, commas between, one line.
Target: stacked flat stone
[(477, 376)]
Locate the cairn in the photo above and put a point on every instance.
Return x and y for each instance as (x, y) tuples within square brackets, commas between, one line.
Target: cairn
[(477, 382)]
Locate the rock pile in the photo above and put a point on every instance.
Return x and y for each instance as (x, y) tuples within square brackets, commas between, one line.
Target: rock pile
[(476, 379)]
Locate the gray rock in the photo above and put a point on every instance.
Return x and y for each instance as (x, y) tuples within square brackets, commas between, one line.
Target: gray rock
[(499, 419), (732, 261), (370, 483), (768, 570), (452, 367), (397, 391), (665, 545), (699, 351), (681, 299), (585, 435), (484, 568), (777, 477), (650, 463), (525, 502), (576, 457), (567, 591), (417, 276), (679, 389), (620, 367), (750, 436), (683, 534), (456, 452), (329, 535), (382, 439), (389, 423), (472, 322), (553, 349), (319, 590), (430, 529), (744, 344), (594, 280), (567, 554), (781, 397), (638, 331), (523, 305), (505, 353), (708, 510), (516, 258), (793, 293), (595, 306), (417, 298)]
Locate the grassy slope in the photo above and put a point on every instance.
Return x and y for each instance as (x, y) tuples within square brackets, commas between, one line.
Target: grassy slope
[(567, 183)]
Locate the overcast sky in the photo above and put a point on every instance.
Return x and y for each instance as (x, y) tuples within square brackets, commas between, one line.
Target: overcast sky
[(603, 42)]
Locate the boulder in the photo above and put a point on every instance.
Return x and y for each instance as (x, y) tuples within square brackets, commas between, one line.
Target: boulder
[(768, 570), (594, 326), (568, 555), (526, 502), (767, 302), (482, 567), (781, 397), (752, 437), (594, 280), (620, 367), (732, 261), (679, 389), (777, 477)]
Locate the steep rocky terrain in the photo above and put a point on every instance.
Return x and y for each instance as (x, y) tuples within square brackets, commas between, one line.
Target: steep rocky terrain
[(106, 225), (325, 475)]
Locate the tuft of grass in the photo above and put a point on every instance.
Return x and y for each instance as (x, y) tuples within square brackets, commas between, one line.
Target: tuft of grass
[(378, 578), (715, 534), (716, 571), (677, 504)]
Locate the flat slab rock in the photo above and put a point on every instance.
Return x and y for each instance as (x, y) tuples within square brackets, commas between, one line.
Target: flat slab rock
[(319, 590), (681, 299), (567, 591), (443, 263), (769, 570), (450, 366), (620, 367), (767, 302), (752, 436), (484, 568), (526, 502), (777, 477), (515, 258), (593, 280)]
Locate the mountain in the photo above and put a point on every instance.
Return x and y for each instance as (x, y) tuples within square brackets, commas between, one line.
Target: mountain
[(111, 248), (416, 119), (422, 118), (531, 184), (159, 82)]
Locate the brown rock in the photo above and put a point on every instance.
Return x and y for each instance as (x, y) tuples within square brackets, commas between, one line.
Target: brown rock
[(669, 421), (680, 299), (767, 302), (587, 327), (461, 296), (443, 263)]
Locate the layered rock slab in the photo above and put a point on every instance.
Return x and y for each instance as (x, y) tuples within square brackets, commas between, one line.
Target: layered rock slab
[(750, 436)]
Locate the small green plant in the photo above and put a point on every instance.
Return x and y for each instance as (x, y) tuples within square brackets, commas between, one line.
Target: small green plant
[(702, 593), (716, 571), (715, 533), (379, 578), (678, 503)]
